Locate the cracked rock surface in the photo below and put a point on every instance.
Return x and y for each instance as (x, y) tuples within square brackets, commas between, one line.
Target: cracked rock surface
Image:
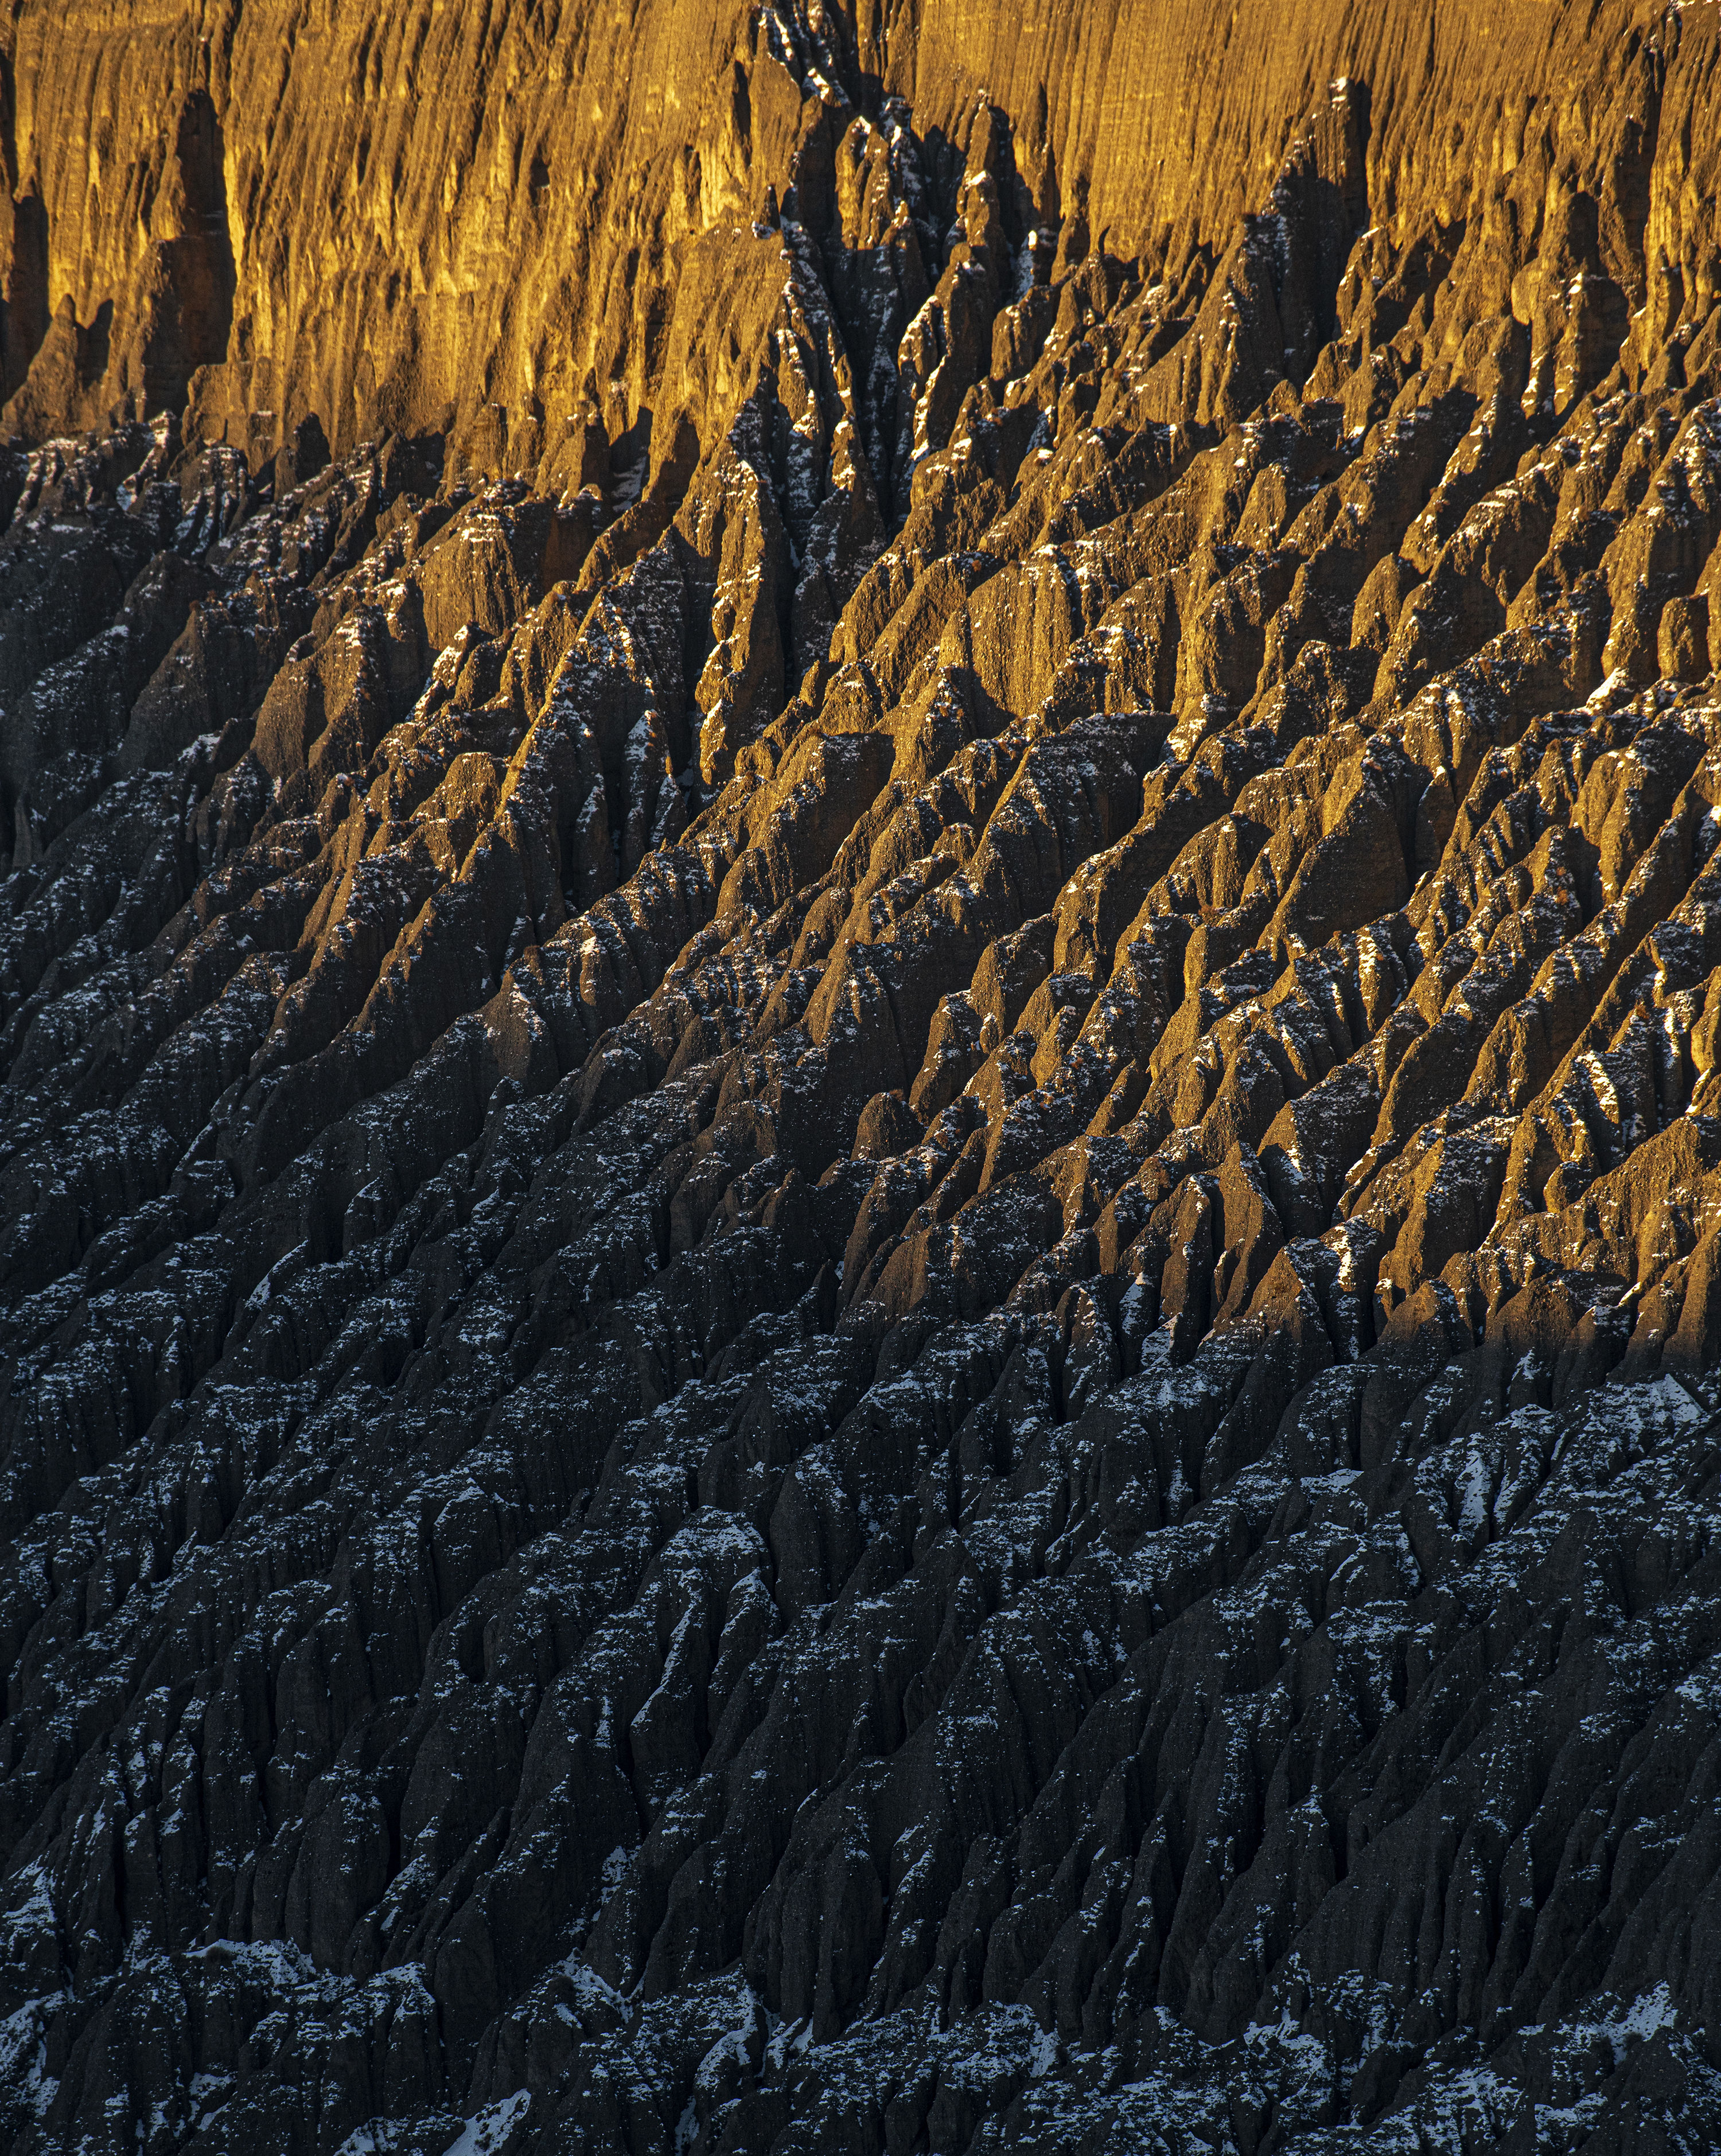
[(860, 1207)]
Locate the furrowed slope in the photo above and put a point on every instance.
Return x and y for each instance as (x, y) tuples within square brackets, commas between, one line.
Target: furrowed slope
[(861, 1196)]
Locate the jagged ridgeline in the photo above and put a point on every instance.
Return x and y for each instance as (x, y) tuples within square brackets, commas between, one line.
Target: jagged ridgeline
[(860, 1145)]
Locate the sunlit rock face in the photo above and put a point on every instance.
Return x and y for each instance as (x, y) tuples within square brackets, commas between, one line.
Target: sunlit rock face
[(860, 1145)]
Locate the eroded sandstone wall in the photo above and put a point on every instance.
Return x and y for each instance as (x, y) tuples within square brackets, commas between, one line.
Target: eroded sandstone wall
[(421, 217), (860, 1261)]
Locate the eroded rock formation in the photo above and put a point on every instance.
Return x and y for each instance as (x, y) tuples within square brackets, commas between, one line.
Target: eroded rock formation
[(861, 999)]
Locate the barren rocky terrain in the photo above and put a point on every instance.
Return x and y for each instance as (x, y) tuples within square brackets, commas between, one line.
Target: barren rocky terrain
[(859, 1078)]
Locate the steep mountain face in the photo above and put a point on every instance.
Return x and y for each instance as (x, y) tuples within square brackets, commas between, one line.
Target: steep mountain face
[(860, 1145)]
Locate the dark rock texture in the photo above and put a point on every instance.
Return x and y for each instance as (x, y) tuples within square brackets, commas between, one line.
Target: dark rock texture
[(861, 1205)]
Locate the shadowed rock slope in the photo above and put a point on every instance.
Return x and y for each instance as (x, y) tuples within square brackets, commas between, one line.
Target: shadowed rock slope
[(860, 1204)]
